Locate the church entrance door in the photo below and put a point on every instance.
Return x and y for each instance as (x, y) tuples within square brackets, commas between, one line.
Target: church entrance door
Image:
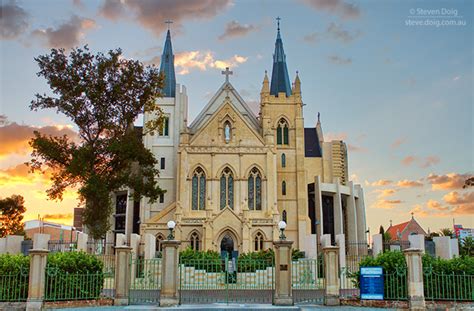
[(227, 245)]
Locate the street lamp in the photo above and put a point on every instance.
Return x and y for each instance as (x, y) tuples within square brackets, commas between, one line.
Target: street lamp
[(171, 225), (282, 226)]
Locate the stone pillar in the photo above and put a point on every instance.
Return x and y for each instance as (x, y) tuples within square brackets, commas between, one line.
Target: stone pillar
[(283, 292), (416, 296), (351, 230), (36, 281), (82, 241), (120, 239), (454, 247), (169, 295), (150, 246), (331, 276), (134, 244), (338, 216), (40, 240), (341, 243), (109, 241), (377, 244), (14, 244), (325, 240), (122, 275), (417, 241)]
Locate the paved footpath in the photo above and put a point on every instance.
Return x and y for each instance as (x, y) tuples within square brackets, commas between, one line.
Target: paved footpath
[(226, 307)]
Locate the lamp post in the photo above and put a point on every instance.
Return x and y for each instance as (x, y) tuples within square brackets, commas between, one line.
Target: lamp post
[(171, 225), (282, 226)]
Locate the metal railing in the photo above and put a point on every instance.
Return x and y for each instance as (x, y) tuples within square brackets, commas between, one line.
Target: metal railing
[(452, 286), (307, 281), (14, 286), (60, 285), (395, 284), (61, 246)]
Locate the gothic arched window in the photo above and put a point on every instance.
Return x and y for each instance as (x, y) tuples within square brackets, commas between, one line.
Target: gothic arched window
[(258, 242), (283, 188), (283, 160), (199, 190), (227, 189), (255, 190), (159, 241), (283, 216), (227, 131), (194, 241), (282, 132)]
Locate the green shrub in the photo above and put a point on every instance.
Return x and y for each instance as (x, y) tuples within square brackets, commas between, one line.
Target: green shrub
[(14, 275), (73, 275), (202, 260)]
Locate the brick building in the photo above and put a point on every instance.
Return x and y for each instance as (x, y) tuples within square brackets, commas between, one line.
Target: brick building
[(57, 231), (403, 230)]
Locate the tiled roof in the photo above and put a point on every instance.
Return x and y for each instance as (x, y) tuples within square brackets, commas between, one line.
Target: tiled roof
[(393, 230)]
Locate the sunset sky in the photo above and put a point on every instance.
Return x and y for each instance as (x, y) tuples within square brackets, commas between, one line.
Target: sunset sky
[(400, 94)]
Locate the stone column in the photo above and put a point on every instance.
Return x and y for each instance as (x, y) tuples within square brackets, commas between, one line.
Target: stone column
[(150, 246), (283, 292), (341, 243), (416, 296), (36, 282), (120, 240), (14, 244), (169, 295), (122, 275), (331, 276), (325, 240), (417, 241), (40, 240), (443, 247), (377, 244), (134, 244)]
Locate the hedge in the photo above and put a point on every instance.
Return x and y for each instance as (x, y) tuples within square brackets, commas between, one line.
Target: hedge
[(14, 275)]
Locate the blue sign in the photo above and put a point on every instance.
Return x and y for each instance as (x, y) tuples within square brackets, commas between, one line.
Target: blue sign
[(371, 283)]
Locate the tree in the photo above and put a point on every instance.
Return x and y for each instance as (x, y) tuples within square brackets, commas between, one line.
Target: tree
[(381, 230), (467, 246), (469, 182), (11, 210), (446, 232), (103, 95)]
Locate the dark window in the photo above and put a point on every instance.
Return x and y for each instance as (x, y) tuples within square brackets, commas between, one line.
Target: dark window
[(164, 130), (162, 198), (258, 242), (194, 241), (121, 204), (328, 215), (283, 188), (255, 190), (283, 160), (283, 217), (282, 133), (227, 189), (162, 162), (198, 189), (136, 217)]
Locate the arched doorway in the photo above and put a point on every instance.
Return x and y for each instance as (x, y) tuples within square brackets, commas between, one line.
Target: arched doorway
[(227, 244)]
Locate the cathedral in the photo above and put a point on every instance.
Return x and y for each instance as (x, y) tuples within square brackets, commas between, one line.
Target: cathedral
[(230, 176)]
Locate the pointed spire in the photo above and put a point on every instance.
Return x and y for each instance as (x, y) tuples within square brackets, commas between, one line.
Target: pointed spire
[(280, 79), (265, 86), (297, 84), (167, 67), (319, 129)]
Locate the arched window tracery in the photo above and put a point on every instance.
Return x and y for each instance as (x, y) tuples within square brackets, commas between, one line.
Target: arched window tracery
[(255, 190), (227, 189), (198, 189)]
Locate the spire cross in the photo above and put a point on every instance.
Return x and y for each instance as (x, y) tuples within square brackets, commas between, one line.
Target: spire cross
[(169, 22), (227, 73), (278, 22)]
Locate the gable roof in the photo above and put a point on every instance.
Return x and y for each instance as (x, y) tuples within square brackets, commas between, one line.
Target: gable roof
[(312, 148), (217, 101), (393, 230)]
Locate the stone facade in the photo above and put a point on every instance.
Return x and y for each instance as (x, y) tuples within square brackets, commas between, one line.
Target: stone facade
[(231, 176)]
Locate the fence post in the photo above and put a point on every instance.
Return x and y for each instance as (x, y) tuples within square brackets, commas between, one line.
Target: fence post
[(283, 291), (13, 244), (416, 295), (377, 244), (331, 276), (122, 275), (82, 242), (169, 295), (36, 282)]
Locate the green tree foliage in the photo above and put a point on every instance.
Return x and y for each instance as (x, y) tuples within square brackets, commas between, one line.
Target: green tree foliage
[(446, 232), (467, 246), (102, 95), (12, 210), (468, 182)]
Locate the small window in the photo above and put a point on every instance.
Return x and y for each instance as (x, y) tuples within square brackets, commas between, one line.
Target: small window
[(164, 130), (227, 131), (159, 243), (194, 241), (283, 188), (283, 217), (162, 163), (258, 242), (282, 133), (162, 198), (283, 160)]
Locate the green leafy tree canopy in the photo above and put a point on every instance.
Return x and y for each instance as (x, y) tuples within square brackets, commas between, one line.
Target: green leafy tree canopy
[(11, 215), (102, 95)]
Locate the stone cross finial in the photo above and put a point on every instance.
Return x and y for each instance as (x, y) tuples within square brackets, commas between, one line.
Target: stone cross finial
[(227, 73), (169, 22)]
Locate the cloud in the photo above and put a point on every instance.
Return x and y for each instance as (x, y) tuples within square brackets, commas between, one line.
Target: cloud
[(456, 198), (200, 60), (15, 137), (398, 142), (14, 20), (21, 175), (381, 182), (386, 204), (336, 32), (429, 161), (67, 216), (407, 161), (386, 192), (449, 181), (432, 204), (78, 4), (66, 35), (339, 60), (151, 14), (235, 29), (457, 204), (409, 183), (337, 7)]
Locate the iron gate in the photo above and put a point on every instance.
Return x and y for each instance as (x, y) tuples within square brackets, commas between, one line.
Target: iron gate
[(226, 280), (145, 281), (307, 281)]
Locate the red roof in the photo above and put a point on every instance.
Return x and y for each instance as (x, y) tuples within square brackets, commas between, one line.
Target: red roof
[(393, 230)]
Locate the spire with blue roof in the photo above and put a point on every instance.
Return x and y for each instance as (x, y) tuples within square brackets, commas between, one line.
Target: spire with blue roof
[(167, 67), (280, 79)]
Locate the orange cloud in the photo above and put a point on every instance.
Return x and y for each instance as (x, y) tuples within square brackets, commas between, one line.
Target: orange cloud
[(386, 192), (448, 181), (457, 205), (386, 204), (381, 182), (432, 204), (407, 161), (429, 161), (409, 183), (456, 198)]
